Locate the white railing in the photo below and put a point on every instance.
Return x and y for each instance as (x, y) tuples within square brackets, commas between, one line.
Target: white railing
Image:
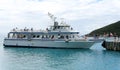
[(28, 30), (116, 39)]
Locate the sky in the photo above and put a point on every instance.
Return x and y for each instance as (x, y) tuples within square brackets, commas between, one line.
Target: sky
[(83, 15)]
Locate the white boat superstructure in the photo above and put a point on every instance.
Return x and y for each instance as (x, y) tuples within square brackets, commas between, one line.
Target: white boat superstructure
[(59, 35)]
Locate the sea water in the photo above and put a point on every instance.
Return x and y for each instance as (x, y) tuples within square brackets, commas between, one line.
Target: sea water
[(95, 58)]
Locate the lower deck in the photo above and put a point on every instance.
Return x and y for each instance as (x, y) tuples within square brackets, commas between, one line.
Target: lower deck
[(48, 43)]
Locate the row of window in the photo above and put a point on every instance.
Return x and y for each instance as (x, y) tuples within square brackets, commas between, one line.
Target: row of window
[(41, 36), (53, 36)]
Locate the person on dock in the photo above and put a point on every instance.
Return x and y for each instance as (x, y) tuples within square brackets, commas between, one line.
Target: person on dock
[(111, 34), (115, 37), (96, 36), (105, 35)]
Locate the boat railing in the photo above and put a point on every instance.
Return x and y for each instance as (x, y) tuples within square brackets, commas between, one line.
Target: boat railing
[(110, 39), (28, 30), (40, 30)]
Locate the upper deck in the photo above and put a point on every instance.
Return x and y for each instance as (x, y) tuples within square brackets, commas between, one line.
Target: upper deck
[(57, 30)]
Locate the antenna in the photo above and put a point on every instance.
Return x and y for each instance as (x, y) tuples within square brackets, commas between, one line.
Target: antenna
[(63, 21), (53, 18)]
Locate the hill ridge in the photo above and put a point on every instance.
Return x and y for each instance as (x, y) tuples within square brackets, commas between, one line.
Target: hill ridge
[(112, 28)]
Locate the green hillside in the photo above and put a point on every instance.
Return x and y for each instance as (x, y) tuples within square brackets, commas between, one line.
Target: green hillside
[(113, 28)]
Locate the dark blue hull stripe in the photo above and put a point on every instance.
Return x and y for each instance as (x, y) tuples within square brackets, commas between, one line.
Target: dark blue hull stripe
[(40, 47)]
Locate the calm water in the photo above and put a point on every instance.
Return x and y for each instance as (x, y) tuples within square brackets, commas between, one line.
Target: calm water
[(95, 58)]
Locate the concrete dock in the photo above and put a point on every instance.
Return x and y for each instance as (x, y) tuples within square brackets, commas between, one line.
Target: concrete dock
[(112, 44)]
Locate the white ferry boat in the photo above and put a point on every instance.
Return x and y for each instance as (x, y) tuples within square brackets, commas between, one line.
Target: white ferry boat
[(59, 35)]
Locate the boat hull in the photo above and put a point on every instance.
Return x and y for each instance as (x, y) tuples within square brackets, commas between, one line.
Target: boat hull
[(47, 44)]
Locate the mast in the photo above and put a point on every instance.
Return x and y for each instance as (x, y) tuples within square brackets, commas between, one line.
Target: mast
[(53, 19)]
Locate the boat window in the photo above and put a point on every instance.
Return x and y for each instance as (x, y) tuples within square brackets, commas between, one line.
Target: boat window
[(61, 37), (34, 36), (58, 27), (13, 35), (67, 37), (38, 36), (73, 36), (52, 37), (8, 36), (42, 36), (49, 36), (24, 36), (18, 36)]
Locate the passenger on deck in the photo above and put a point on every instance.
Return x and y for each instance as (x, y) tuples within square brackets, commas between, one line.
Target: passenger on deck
[(96, 36), (13, 29), (31, 29), (111, 35), (47, 29), (67, 37), (85, 36), (25, 29), (16, 28), (115, 36)]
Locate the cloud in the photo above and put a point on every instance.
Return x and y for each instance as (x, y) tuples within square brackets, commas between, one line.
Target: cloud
[(86, 14)]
